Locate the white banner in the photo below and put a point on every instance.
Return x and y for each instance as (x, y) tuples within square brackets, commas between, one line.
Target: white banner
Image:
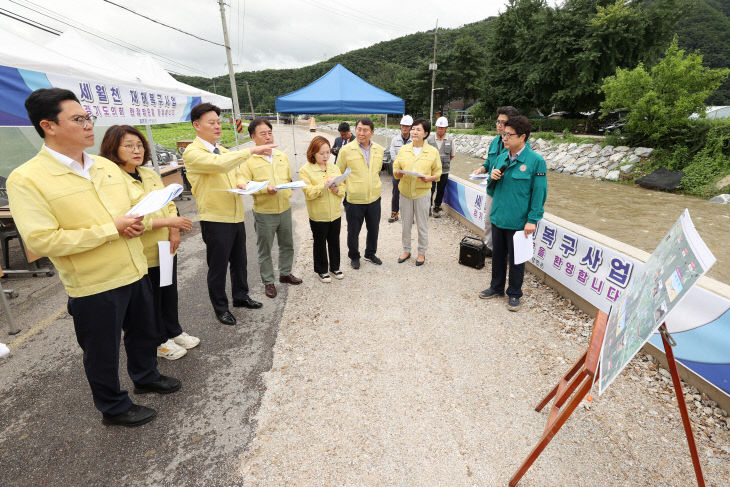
[(116, 104), (595, 273)]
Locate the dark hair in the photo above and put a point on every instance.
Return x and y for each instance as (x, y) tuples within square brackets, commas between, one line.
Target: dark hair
[(343, 127), (113, 140), (423, 123), (314, 147), (366, 121), (255, 123), (508, 110), (201, 109), (45, 104), (521, 124)]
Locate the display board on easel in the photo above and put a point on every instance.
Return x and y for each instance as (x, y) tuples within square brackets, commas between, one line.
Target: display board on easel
[(675, 266)]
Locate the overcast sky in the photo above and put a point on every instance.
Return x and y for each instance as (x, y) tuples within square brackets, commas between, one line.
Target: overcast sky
[(263, 33)]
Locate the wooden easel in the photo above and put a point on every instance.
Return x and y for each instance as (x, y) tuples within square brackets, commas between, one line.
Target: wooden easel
[(576, 385)]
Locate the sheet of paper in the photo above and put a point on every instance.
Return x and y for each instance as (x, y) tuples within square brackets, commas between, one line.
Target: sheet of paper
[(156, 200), (340, 178), (412, 173), (251, 187), (291, 185), (165, 263), (522, 247), (476, 177)]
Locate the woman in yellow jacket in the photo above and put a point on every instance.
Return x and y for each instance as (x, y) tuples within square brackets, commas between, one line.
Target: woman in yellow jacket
[(127, 147), (324, 202), (415, 191)]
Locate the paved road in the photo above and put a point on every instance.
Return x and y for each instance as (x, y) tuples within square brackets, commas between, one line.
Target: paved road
[(50, 432)]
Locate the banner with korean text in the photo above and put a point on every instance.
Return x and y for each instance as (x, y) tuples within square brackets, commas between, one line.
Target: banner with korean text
[(111, 103)]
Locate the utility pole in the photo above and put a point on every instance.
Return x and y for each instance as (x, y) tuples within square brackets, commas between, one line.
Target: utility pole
[(234, 92), (432, 67), (250, 102)]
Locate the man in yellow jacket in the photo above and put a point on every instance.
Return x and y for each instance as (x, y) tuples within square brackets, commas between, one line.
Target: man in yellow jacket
[(271, 207), (212, 170), (362, 203), (71, 207)]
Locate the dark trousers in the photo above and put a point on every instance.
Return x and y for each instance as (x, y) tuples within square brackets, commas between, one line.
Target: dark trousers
[(395, 202), (502, 253), (225, 245), (165, 302), (356, 214), (326, 241), (439, 187), (98, 322)]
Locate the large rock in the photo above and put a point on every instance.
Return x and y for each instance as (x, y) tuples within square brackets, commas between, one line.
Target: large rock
[(607, 151), (622, 148), (661, 179), (600, 173), (617, 157), (626, 168), (612, 176), (643, 151), (723, 199), (633, 159)]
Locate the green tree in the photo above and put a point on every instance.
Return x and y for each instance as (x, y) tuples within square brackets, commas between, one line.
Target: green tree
[(661, 100), (463, 69)]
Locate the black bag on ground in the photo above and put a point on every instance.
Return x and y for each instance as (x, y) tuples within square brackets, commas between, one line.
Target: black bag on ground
[(472, 252)]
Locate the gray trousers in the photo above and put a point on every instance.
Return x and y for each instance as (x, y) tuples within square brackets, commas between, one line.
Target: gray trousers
[(488, 223), (268, 226), (417, 208)]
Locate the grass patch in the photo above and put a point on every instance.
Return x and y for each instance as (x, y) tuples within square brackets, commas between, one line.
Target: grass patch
[(170, 133)]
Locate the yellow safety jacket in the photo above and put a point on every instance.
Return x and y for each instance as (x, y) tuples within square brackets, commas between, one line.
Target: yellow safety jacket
[(363, 185), (278, 171), (70, 219), (211, 175), (428, 163), (322, 204)]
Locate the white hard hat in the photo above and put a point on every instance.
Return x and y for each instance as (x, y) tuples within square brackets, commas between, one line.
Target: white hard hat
[(406, 120), (442, 122)]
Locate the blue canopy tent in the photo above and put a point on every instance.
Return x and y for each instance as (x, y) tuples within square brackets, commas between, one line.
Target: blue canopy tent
[(339, 91)]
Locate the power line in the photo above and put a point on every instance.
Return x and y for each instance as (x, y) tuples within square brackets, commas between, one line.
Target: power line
[(161, 23), (27, 21), (76, 25)]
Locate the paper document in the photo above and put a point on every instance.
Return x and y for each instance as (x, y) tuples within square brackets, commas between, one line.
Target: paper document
[(412, 173), (522, 247), (165, 263), (291, 185), (251, 187), (340, 178), (156, 200), (476, 177)]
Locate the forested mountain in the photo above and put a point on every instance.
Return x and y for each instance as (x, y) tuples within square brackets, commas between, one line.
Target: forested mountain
[(559, 64)]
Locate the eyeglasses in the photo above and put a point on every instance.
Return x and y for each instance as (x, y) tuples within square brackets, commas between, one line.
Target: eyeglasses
[(132, 148), (500, 122), (507, 135), (82, 121)]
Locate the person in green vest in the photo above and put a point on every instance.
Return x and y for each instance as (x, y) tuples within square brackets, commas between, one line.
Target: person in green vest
[(519, 195)]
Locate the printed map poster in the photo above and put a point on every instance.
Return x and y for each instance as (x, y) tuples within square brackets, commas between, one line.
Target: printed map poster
[(675, 266)]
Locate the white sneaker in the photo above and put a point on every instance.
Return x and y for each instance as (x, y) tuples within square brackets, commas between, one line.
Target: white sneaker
[(337, 274), (171, 350), (324, 277), (186, 341)]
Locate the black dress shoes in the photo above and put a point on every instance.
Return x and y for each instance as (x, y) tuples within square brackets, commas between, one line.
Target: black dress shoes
[(247, 303), (134, 416), (163, 385), (226, 318)]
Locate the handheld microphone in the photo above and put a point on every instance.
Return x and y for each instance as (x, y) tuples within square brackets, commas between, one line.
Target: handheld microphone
[(494, 181)]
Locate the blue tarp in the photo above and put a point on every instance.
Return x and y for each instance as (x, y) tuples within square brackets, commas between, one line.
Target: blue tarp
[(340, 91)]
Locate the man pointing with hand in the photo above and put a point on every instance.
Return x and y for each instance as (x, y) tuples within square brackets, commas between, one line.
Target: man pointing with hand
[(519, 197)]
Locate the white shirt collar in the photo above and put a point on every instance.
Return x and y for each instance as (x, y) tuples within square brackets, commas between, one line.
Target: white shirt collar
[(75, 166), (208, 145)]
